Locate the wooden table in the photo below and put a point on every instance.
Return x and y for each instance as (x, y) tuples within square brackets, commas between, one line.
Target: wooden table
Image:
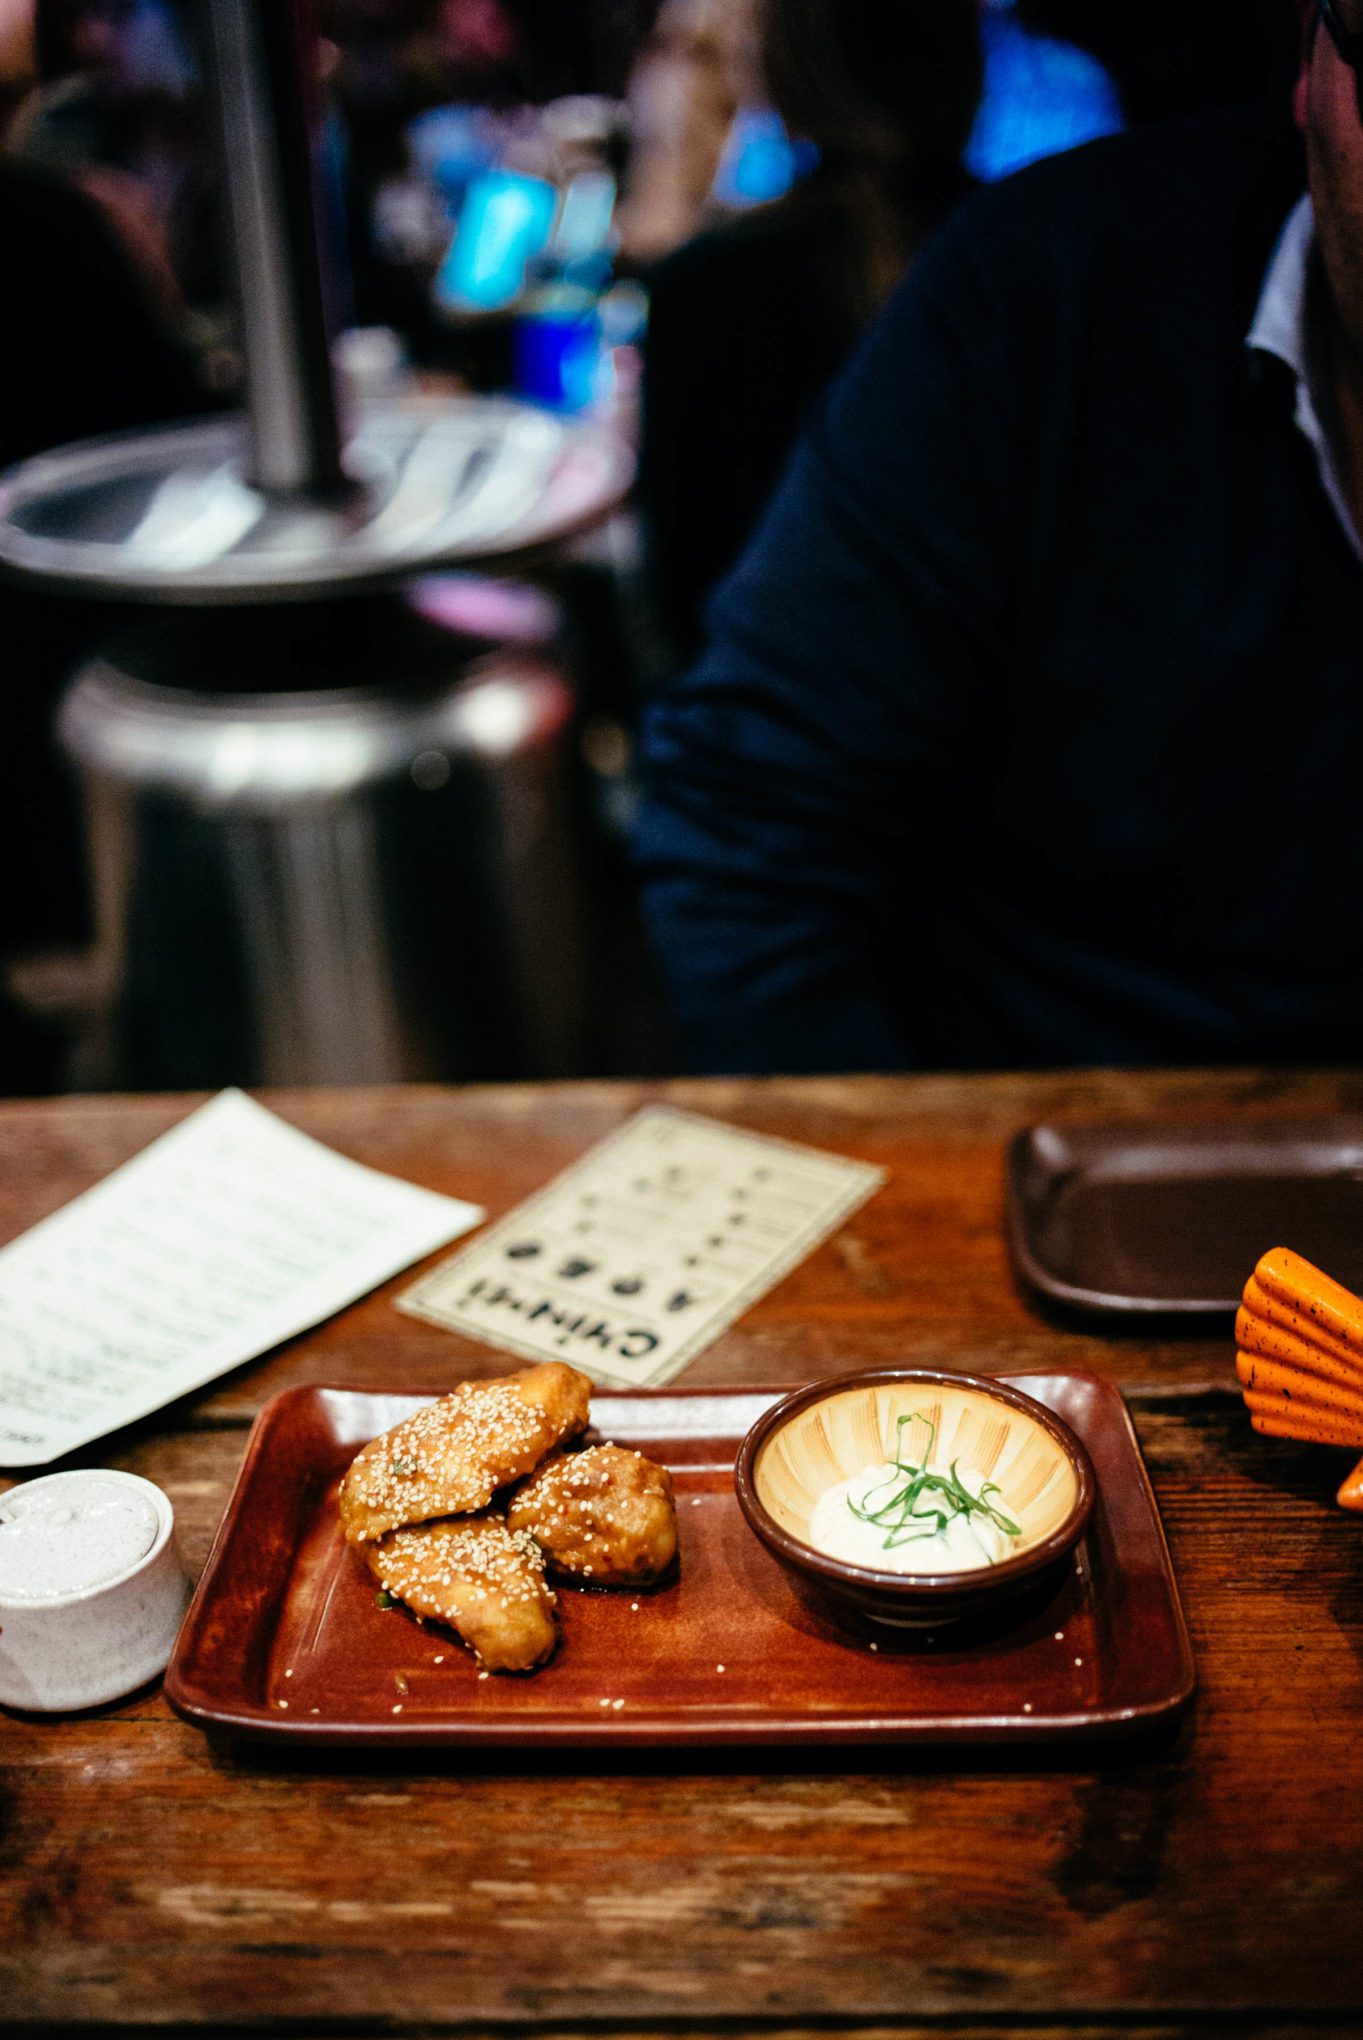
[(1213, 1882)]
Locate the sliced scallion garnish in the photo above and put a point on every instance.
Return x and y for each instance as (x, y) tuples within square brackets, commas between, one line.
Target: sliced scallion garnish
[(922, 1502)]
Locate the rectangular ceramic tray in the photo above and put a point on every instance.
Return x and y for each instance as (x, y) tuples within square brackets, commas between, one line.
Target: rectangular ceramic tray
[(284, 1639), (1155, 1221)]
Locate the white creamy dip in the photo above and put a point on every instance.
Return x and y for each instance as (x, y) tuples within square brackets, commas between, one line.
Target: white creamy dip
[(966, 1540), (75, 1534)]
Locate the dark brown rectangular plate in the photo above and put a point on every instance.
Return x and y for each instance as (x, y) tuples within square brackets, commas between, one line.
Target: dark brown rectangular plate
[(284, 1639), (1170, 1220)]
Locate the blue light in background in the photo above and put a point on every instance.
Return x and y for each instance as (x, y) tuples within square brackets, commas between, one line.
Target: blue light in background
[(1040, 97), (760, 162), (505, 221), (583, 231), (557, 348)]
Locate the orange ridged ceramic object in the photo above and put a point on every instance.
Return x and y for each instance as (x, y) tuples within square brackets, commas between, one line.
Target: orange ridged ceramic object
[(1300, 1357)]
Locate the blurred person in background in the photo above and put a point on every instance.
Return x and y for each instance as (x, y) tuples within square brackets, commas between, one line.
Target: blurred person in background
[(114, 111), (750, 321), (741, 341), (698, 67), (1028, 728), (88, 343), (86, 346)]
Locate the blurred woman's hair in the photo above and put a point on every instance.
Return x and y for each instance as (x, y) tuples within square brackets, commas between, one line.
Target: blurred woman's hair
[(887, 91)]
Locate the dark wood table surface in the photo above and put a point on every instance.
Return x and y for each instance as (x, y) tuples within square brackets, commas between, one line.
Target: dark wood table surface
[(1209, 1882)]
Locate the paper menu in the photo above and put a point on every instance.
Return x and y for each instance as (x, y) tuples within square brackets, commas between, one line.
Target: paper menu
[(645, 1250), (228, 1234)]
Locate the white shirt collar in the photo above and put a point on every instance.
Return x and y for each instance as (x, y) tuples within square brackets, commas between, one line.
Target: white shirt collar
[(1280, 315), (1282, 327)]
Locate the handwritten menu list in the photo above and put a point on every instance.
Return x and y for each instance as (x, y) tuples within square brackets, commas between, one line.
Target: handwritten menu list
[(230, 1233), (643, 1252)]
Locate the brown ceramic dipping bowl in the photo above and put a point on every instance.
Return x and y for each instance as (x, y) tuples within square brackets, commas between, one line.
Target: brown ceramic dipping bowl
[(832, 1429)]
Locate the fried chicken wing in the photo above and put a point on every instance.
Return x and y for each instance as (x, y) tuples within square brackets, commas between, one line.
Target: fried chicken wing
[(451, 1457), (485, 1580), (604, 1515)]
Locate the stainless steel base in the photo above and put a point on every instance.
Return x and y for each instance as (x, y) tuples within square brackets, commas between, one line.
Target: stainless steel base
[(330, 844)]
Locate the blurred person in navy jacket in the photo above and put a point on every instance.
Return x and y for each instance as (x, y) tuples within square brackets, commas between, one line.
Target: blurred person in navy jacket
[(1028, 729)]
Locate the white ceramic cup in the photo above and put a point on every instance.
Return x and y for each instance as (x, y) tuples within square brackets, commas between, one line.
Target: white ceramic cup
[(92, 1589)]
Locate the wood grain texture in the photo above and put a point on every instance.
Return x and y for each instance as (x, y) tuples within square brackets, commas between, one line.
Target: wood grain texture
[(1211, 1882), (919, 1276)]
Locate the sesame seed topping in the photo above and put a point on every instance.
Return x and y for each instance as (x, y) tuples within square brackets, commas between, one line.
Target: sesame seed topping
[(602, 1515), (451, 1456), (484, 1579)]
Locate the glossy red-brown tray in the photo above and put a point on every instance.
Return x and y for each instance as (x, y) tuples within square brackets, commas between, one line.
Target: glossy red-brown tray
[(284, 1639), (1156, 1221)]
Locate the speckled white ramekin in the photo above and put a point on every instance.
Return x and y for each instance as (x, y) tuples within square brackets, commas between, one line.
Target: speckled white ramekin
[(78, 1649)]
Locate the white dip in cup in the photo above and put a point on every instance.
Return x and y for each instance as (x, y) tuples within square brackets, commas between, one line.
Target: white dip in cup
[(92, 1589)]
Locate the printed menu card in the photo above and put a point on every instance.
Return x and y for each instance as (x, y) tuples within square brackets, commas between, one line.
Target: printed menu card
[(228, 1234), (646, 1249)]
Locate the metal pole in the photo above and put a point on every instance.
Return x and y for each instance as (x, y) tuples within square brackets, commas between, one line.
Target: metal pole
[(265, 97)]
